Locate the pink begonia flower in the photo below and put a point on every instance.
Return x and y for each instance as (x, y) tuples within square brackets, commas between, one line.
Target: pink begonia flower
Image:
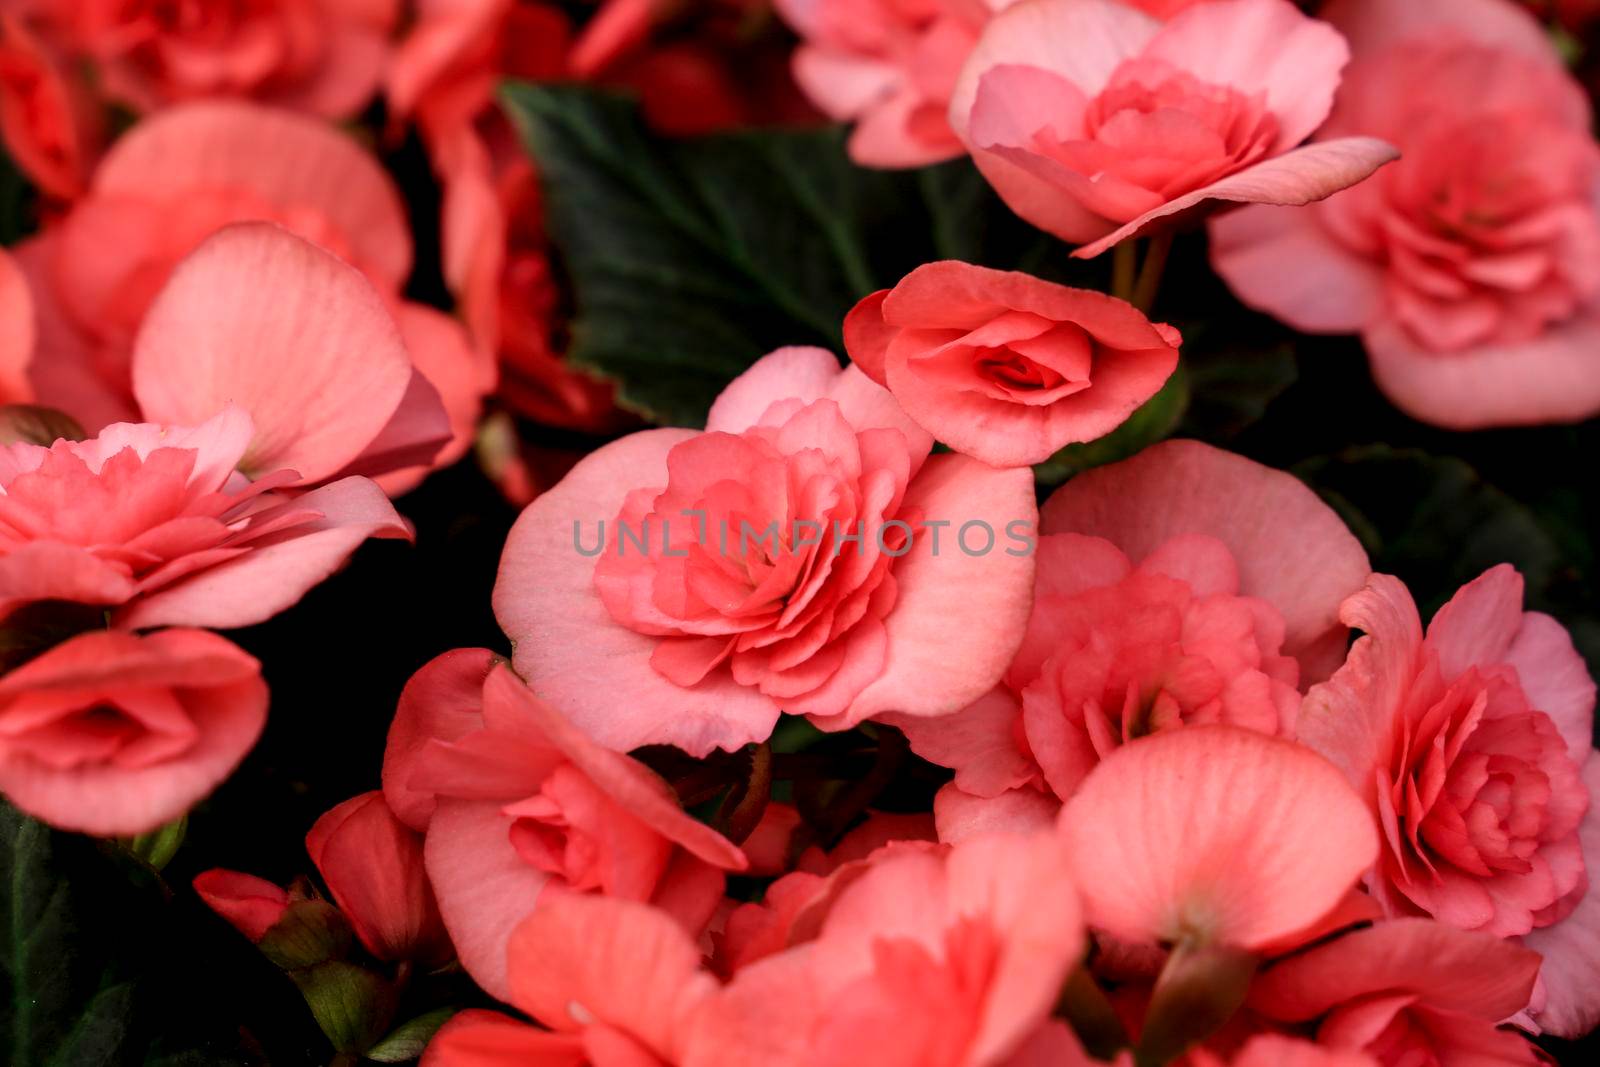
[(49, 122), (1407, 991), (1278, 1050), (890, 66), (704, 640), (1215, 835), (519, 800), (372, 864), (618, 983), (1094, 121), (110, 733), (174, 180), (1005, 367), (155, 524), (1468, 744), (251, 905), (321, 56), (931, 957), (1471, 269), (1183, 585), (17, 332)]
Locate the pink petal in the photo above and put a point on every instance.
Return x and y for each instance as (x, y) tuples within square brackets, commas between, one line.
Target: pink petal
[(478, 1038), (1216, 832), (273, 577), (1456, 970), (257, 317), (1373, 25), (1476, 627), (225, 698), (1260, 46), (290, 161), (460, 371), (961, 815), (563, 638), (1556, 680), (1295, 178), (979, 742), (580, 959), (251, 905), (1552, 378), (1283, 261), (1293, 551), (933, 669), (415, 436), (484, 888), (16, 332), (1570, 973), (443, 701)]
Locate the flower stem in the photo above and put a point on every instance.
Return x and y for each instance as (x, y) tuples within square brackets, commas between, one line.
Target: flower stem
[(1155, 265), (1124, 263)]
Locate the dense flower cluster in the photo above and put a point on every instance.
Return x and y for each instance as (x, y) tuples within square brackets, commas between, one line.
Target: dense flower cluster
[(1189, 782)]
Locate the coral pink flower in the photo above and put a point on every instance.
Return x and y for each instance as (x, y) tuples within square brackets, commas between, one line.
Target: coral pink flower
[(1094, 121), (930, 957), (1215, 835), (1163, 597), (514, 799), (1407, 991), (180, 176), (1468, 745), (155, 523), (113, 733), (703, 639), (372, 864), (575, 965), (321, 56), (890, 66), (17, 332), (1472, 268), (1005, 367), (48, 120), (251, 905)]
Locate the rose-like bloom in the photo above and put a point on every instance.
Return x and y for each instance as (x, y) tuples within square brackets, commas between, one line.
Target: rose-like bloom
[(155, 523), (1005, 367), (251, 905), (1468, 744), (735, 594), (890, 66), (321, 56), (113, 733), (1161, 600), (575, 966), (950, 957), (372, 864), (177, 178), (1471, 268), (16, 332), (515, 801), (1407, 991), (1216, 836), (49, 122), (1093, 120)]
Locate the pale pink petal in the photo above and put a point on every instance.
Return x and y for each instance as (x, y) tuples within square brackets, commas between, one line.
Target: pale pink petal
[(1295, 178), (16, 332), (582, 959), (272, 577), (1217, 833), (461, 372), (1552, 378), (1476, 627), (259, 318), (1556, 680), (842, 85), (563, 638), (443, 701), (1373, 25), (485, 889), (1293, 551), (292, 162), (415, 437), (1457, 970), (933, 669), (1570, 973), (980, 742), (960, 815), (1283, 261), (1260, 46)]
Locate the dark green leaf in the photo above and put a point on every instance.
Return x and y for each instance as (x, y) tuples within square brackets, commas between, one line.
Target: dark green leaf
[(406, 1041), (689, 260)]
